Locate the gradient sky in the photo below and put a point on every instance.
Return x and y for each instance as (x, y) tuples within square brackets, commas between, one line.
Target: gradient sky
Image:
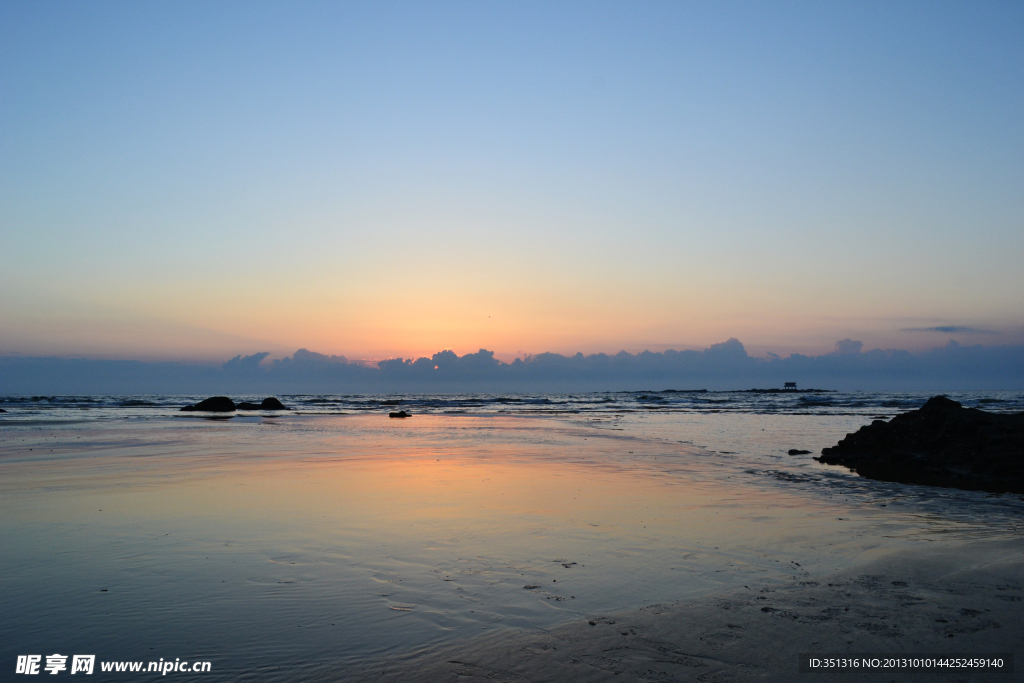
[(196, 180)]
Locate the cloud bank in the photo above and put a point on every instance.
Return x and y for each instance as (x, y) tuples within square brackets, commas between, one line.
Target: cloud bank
[(952, 329), (720, 366)]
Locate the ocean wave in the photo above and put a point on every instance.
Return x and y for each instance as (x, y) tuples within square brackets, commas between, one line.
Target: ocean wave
[(868, 404)]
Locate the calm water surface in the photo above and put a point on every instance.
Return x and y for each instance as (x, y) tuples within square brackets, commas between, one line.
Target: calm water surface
[(291, 547)]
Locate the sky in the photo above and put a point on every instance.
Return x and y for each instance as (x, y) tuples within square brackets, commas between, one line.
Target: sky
[(193, 181)]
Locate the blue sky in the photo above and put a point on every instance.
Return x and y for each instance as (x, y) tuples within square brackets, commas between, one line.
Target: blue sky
[(194, 180)]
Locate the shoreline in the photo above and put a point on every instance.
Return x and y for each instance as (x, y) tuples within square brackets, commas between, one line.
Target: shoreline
[(963, 599)]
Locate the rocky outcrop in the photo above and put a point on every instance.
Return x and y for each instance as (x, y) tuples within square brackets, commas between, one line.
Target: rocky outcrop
[(400, 413), (214, 404), (940, 444), (267, 404)]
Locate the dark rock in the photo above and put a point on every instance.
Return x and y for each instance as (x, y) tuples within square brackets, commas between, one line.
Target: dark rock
[(272, 404), (400, 413), (940, 444), (267, 404), (2, 410), (215, 404), (797, 451)]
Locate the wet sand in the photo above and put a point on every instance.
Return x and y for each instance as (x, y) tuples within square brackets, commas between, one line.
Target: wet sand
[(968, 599), (454, 548)]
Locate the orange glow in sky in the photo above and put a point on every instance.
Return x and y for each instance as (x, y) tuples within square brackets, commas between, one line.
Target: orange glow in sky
[(375, 184)]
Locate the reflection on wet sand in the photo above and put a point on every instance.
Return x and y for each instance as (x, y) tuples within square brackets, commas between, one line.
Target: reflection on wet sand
[(329, 541)]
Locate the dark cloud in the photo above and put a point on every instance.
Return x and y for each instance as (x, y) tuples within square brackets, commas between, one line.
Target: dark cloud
[(240, 364), (951, 329), (721, 366)]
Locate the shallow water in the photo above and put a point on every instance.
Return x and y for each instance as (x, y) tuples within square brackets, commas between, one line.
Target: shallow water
[(292, 547)]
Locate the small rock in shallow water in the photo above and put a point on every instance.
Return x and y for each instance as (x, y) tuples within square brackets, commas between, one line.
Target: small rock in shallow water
[(214, 404), (400, 413), (797, 451), (267, 404), (272, 403)]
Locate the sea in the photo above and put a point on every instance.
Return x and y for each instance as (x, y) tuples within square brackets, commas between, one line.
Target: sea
[(753, 430), (317, 543), (805, 402)]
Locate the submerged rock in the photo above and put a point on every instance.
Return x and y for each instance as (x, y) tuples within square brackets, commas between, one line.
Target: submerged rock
[(214, 404), (797, 451), (400, 413), (940, 444), (267, 404)]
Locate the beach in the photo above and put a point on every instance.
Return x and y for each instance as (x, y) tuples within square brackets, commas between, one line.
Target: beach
[(454, 547), (952, 603)]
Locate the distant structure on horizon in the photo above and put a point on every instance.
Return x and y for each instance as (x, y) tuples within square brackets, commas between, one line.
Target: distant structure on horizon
[(791, 386)]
